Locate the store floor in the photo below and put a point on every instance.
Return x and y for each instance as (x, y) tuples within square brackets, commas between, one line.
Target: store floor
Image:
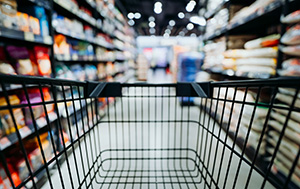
[(148, 140)]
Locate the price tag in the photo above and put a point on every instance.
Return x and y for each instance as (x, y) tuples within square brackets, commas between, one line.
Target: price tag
[(28, 36), (48, 40), (24, 131), (4, 143)]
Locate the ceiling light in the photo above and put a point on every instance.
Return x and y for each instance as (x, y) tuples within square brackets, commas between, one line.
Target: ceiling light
[(158, 7), (181, 15), (190, 6), (172, 23), (168, 31), (152, 30), (158, 10), (151, 19), (166, 35), (131, 22), (151, 24), (190, 26), (198, 20), (130, 15), (137, 15)]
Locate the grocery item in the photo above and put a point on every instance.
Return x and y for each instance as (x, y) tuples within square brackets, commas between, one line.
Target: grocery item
[(292, 18), (255, 69), (270, 52), (292, 36), (8, 13), (291, 50), (34, 24), (4, 180), (290, 67), (78, 71), (43, 60), (90, 72), (23, 21), (24, 65), (268, 41), (6, 68), (6, 118)]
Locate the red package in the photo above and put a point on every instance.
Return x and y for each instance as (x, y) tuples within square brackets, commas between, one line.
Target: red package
[(43, 60)]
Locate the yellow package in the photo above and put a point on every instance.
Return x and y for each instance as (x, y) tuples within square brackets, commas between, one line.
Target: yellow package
[(23, 21), (6, 118)]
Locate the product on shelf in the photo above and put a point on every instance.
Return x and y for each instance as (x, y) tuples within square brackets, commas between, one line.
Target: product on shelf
[(289, 145), (291, 50), (8, 14), (4, 180), (101, 70), (63, 72), (292, 18), (253, 53), (43, 60), (290, 67), (292, 36), (7, 124), (78, 72), (214, 54), (90, 72), (268, 41), (254, 8)]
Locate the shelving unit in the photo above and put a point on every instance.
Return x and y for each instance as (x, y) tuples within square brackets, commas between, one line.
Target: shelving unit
[(263, 22)]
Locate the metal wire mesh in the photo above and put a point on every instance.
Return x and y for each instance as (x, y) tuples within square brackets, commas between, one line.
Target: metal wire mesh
[(149, 138)]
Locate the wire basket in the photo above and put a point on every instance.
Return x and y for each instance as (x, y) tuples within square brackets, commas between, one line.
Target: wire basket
[(112, 135)]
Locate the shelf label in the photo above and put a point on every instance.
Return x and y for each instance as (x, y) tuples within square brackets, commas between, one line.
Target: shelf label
[(28, 36), (48, 40), (24, 131), (4, 143)]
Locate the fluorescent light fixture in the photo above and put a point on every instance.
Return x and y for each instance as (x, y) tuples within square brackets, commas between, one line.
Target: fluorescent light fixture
[(166, 35), (130, 15), (151, 19), (172, 23), (151, 24), (158, 7), (181, 15), (152, 31), (168, 31), (137, 15), (190, 26), (190, 6), (131, 22), (198, 20)]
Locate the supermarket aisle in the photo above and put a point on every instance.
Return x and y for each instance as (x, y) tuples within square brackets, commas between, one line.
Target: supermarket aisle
[(149, 141), (159, 76)]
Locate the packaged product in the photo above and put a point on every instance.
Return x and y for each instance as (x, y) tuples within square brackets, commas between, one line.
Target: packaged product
[(292, 36), (24, 65), (8, 13), (269, 62), (23, 21), (255, 69), (268, 41), (43, 60), (4, 180), (291, 50), (40, 14), (6, 117), (78, 71), (63, 72), (292, 18), (270, 52), (34, 24), (90, 72), (6, 68)]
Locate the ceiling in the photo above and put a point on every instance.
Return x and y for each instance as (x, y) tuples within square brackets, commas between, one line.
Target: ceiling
[(170, 10)]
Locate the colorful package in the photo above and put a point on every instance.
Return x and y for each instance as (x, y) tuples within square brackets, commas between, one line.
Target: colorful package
[(8, 13), (34, 24), (23, 21), (4, 180), (6, 118), (43, 60), (268, 41)]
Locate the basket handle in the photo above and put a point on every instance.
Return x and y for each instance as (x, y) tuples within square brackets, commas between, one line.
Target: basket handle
[(103, 89), (202, 90)]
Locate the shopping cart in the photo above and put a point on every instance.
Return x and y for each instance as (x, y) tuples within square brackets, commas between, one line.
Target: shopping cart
[(112, 135)]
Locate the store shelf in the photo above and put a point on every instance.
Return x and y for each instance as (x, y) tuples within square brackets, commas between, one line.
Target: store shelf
[(60, 8), (25, 131), (268, 16), (7, 33), (212, 13), (80, 59), (75, 36), (42, 3), (230, 74)]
